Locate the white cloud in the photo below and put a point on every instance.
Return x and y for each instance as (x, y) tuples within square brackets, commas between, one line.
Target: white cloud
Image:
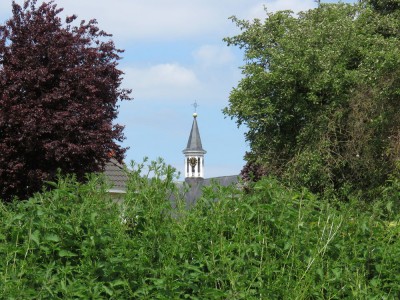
[(211, 55), (168, 20), (160, 80), (146, 20)]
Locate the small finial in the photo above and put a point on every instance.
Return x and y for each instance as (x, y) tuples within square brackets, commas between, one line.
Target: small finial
[(195, 105), (194, 115)]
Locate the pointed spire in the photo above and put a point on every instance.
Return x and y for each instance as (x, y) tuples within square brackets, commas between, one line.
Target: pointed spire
[(194, 154), (194, 142)]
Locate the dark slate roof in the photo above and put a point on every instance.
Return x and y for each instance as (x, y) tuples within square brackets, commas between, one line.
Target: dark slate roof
[(194, 142), (196, 186), (116, 175), (223, 180)]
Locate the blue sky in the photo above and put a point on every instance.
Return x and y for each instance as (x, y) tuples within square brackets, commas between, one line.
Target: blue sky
[(174, 55)]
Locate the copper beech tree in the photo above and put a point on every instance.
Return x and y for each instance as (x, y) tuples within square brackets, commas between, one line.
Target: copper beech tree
[(59, 87)]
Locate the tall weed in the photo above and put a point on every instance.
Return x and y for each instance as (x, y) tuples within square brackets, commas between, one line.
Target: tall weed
[(272, 243)]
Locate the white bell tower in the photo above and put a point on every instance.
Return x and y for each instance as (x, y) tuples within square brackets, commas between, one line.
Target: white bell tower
[(194, 153)]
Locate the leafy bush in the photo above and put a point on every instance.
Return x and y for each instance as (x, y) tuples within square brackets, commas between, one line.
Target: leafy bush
[(270, 243), (60, 244)]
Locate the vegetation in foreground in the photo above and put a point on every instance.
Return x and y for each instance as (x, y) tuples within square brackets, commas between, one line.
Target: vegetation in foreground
[(74, 242)]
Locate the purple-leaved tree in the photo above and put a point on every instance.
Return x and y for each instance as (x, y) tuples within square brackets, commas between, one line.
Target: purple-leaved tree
[(59, 87)]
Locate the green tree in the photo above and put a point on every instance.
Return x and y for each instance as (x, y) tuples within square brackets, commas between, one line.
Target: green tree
[(385, 6), (320, 95)]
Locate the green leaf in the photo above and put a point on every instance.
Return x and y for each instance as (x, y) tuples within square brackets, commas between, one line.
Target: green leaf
[(337, 272), (18, 217), (118, 283), (93, 217), (52, 237), (375, 282), (108, 291), (35, 236), (66, 253)]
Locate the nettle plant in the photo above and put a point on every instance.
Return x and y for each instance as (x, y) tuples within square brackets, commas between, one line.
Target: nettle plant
[(267, 242)]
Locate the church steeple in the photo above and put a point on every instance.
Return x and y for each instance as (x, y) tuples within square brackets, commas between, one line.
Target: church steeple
[(194, 153)]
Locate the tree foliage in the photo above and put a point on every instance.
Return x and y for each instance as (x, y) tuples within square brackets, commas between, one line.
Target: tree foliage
[(385, 6), (59, 85), (320, 94)]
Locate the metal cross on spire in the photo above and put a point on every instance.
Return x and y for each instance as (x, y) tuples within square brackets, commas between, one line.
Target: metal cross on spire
[(195, 105)]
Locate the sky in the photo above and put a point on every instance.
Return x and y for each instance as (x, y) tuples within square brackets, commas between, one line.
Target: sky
[(175, 55)]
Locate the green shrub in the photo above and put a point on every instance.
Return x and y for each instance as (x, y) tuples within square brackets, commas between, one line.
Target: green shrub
[(62, 244), (74, 242)]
